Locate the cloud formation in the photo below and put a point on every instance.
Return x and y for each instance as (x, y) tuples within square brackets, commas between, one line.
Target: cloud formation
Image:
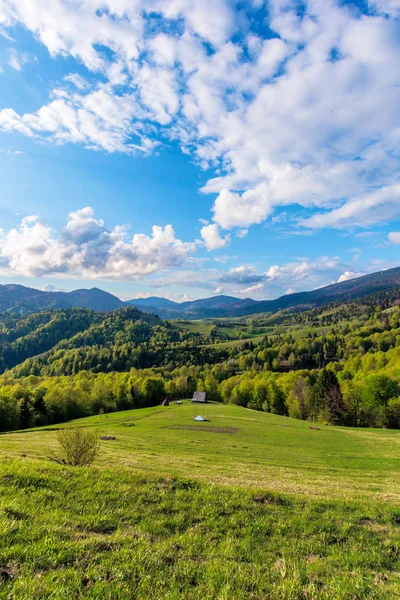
[(306, 117), (347, 275), (212, 238), (85, 248)]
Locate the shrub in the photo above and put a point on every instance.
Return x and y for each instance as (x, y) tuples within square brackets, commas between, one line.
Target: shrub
[(78, 446)]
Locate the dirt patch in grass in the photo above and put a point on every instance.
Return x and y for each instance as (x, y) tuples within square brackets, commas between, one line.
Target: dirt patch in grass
[(209, 428), (6, 573)]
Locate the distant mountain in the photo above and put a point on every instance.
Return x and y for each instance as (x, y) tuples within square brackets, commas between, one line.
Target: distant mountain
[(193, 309), (346, 290), (226, 302), (154, 302), (24, 300), (20, 299), (95, 299), (228, 306)]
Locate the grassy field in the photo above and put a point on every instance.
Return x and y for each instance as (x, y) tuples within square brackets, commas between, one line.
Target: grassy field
[(202, 326), (245, 505), (230, 332), (264, 450)]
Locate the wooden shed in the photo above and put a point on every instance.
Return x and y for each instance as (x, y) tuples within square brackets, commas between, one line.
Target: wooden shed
[(199, 397)]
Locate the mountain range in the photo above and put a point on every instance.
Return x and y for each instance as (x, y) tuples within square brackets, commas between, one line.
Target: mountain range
[(23, 300), (228, 306)]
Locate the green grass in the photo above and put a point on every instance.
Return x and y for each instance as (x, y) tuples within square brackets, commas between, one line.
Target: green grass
[(201, 326), (235, 343), (247, 505), (332, 461)]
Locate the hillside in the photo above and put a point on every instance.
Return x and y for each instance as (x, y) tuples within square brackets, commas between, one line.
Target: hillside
[(337, 364), (74, 339), (23, 300), (249, 506)]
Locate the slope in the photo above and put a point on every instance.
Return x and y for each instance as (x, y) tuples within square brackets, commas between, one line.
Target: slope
[(24, 300)]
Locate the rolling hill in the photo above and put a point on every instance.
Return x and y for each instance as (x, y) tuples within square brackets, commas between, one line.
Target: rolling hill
[(249, 506)]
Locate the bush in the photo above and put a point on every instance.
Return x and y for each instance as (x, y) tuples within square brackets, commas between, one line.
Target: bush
[(78, 446)]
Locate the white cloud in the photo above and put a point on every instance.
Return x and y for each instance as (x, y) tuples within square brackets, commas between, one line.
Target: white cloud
[(394, 237), (18, 60), (85, 248), (11, 151), (52, 288), (253, 289), (308, 274), (347, 275), (212, 238), (309, 117), (235, 210), (387, 7), (379, 206), (77, 80)]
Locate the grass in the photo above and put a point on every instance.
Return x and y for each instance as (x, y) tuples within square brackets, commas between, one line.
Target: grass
[(240, 507), (202, 327), (334, 461), (205, 326)]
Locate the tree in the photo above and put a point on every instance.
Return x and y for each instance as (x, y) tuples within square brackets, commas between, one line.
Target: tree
[(298, 401), (378, 390), (25, 412), (394, 413), (9, 413), (153, 391), (327, 399), (352, 398), (276, 399)]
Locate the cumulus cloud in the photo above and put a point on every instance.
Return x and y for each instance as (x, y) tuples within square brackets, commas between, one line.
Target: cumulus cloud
[(85, 248), (212, 238), (253, 289), (347, 275), (308, 117), (305, 274)]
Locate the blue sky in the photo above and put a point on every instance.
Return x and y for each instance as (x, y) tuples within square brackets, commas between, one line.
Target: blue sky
[(184, 149)]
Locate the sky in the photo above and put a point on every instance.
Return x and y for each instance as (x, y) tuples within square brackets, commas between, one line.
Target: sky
[(187, 148)]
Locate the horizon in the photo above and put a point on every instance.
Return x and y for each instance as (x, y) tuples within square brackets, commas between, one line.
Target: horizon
[(49, 289), (186, 150)]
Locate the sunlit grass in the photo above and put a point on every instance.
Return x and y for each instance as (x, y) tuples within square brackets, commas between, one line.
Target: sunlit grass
[(267, 450)]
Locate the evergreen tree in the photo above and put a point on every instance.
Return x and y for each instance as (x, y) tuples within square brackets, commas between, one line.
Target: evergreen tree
[(25, 412)]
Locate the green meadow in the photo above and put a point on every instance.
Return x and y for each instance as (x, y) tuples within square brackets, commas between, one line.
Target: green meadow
[(243, 505)]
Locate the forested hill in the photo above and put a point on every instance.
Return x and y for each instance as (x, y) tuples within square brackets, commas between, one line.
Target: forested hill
[(338, 363), (23, 300), (64, 342), (37, 334)]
